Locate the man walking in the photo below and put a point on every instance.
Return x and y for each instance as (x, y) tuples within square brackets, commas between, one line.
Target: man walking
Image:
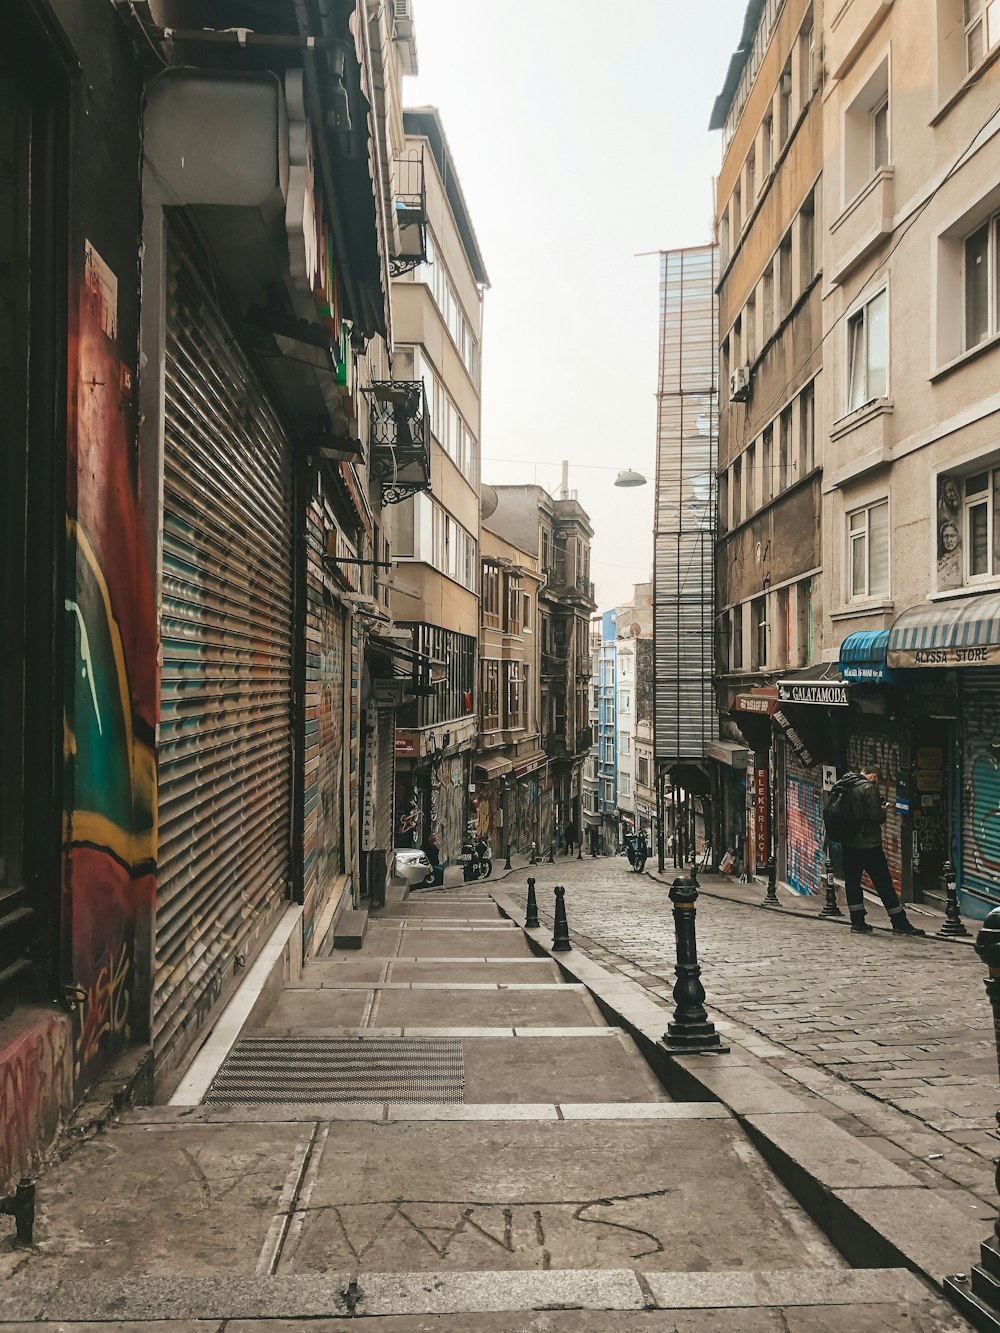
[(861, 842)]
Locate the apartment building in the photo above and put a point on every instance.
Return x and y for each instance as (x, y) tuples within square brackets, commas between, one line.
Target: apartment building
[(911, 247), (435, 531), (559, 530), (512, 781), (769, 553)]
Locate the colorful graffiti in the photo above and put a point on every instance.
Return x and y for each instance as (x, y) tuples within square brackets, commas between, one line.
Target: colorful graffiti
[(981, 789), (110, 700), (803, 835), (34, 1090)]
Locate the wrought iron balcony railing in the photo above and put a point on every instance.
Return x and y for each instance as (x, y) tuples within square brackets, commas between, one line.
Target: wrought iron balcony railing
[(400, 438), (411, 213)]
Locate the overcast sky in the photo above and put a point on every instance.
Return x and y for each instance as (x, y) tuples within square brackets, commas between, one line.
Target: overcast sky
[(579, 133)]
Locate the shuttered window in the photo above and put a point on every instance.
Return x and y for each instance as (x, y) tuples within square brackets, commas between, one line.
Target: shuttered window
[(225, 750)]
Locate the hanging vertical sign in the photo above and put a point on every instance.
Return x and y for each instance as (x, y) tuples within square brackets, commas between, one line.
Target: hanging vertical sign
[(762, 815), (371, 766)]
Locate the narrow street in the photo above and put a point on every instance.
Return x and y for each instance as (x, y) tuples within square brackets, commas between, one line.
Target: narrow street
[(894, 1035)]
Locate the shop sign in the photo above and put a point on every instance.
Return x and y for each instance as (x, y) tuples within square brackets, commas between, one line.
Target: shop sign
[(934, 694), (930, 779), (387, 693), (931, 757), (761, 704), (825, 693), (371, 770), (407, 744), (794, 739), (829, 776), (761, 798), (987, 654), (865, 672)]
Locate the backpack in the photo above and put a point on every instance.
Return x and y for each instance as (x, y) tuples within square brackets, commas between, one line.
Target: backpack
[(843, 814)]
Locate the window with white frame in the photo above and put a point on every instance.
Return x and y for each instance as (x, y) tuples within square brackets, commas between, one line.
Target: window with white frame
[(868, 351), (436, 276), (977, 513), (968, 526), (624, 784), (867, 132), (982, 29), (624, 701), (980, 284), (868, 551)]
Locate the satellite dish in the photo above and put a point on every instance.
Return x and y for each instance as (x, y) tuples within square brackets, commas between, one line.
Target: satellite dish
[(635, 629), (488, 500)]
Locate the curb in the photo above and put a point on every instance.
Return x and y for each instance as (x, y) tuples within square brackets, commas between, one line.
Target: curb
[(875, 1213)]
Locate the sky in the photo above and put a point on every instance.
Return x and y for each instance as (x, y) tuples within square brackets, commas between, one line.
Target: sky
[(579, 132)]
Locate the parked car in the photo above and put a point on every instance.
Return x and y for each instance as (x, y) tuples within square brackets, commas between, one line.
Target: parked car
[(411, 864)]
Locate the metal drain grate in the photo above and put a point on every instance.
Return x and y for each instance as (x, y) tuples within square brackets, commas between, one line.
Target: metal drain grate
[(263, 1070)]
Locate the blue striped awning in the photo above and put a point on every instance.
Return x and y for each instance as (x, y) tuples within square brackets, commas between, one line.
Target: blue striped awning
[(862, 656), (962, 633)]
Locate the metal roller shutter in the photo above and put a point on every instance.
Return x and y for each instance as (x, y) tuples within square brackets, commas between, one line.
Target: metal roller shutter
[(225, 745), (804, 830), (981, 781), (386, 782)]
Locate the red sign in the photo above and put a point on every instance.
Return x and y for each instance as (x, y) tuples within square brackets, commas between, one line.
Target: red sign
[(762, 810), (407, 743)]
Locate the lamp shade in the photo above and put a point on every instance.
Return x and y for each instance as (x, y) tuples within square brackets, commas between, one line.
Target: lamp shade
[(630, 478)]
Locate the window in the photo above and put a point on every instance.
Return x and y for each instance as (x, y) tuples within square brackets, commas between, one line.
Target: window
[(767, 465), (867, 133), (546, 551), (767, 302), (624, 701), (807, 242), (880, 135), (807, 430), (724, 239), (515, 694), (750, 469), (750, 324), (751, 179), (766, 146), (526, 614), (737, 491), (982, 30), (737, 209), (868, 352), (868, 551), (738, 637), (804, 621), (967, 527), (783, 642), (491, 695), (624, 745), (491, 597), (724, 501), (435, 275), (758, 612), (513, 606), (785, 277), (981, 283), (786, 462), (642, 770), (807, 54), (978, 525), (624, 784), (439, 541), (785, 103)]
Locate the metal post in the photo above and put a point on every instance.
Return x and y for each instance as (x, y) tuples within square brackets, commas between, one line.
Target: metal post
[(830, 908), (977, 1294), (560, 931), (531, 917), (691, 1029), (771, 896), (952, 927)]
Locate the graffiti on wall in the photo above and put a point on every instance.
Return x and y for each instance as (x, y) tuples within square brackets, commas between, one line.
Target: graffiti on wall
[(111, 693), (981, 785), (34, 1077), (882, 750), (803, 835)]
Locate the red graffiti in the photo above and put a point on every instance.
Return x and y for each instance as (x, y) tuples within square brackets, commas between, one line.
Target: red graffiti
[(34, 1088)]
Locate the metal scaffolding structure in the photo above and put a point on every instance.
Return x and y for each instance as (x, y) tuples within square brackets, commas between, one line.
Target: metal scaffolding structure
[(684, 524)]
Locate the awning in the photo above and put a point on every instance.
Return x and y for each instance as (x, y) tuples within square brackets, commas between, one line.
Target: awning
[(437, 670), (962, 633), (527, 763), (862, 656), (494, 766), (819, 684)]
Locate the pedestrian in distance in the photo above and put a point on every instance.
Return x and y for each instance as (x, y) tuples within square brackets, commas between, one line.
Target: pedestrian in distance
[(570, 838), (854, 817), (431, 848)]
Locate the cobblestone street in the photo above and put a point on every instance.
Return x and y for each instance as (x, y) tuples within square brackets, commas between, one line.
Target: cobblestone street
[(893, 1034)]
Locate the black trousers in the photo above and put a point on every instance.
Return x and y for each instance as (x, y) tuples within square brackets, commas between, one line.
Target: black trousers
[(870, 861)]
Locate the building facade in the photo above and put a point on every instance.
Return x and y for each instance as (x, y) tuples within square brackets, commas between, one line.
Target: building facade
[(435, 532), (769, 549), (196, 436)]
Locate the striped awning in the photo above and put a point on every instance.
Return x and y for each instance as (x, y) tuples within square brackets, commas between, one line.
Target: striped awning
[(862, 655), (956, 633)]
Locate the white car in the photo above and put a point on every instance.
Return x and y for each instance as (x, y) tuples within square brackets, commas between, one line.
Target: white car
[(411, 864)]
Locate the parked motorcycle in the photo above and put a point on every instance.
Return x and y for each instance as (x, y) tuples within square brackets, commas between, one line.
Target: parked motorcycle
[(477, 858), (637, 850)]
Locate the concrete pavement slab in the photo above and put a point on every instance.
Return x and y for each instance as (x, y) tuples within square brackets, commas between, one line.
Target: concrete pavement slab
[(327, 1008), (504, 1008), (453, 1196), (354, 967), (513, 969), (812, 1144), (568, 1069), (463, 944)]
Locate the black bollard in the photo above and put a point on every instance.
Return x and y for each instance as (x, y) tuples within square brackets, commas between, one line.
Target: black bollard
[(21, 1207), (977, 1294), (533, 858), (560, 930), (952, 927), (531, 919), (830, 907), (552, 854), (691, 1031), (507, 865), (771, 896)]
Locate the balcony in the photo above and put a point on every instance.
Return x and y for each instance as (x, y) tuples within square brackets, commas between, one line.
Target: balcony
[(410, 215), (864, 225), (560, 746), (574, 590), (584, 740), (553, 664), (400, 438)]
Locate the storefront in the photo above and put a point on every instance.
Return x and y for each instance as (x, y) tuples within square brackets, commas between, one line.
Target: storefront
[(811, 719)]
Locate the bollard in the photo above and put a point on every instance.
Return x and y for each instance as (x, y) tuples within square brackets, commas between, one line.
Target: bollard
[(21, 1207), (691, 1031), (531, 919), (977, 1294), (771, 896), (952, 927), (552, 855), (533, 858), (507, 865), (830, 907), (560, 930)]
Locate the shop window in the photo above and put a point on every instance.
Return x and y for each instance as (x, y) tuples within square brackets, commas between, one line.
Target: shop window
[(868, 551)]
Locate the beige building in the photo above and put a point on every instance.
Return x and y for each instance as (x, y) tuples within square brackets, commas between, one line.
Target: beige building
[(511, 766), (911, 321), (769, 554), (437, 312)]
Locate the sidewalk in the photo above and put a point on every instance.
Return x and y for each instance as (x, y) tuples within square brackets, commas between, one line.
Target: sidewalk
[(442, 1129)]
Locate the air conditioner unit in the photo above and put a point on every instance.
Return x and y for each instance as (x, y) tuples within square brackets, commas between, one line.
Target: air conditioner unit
[(402, 17), (739, 384)]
